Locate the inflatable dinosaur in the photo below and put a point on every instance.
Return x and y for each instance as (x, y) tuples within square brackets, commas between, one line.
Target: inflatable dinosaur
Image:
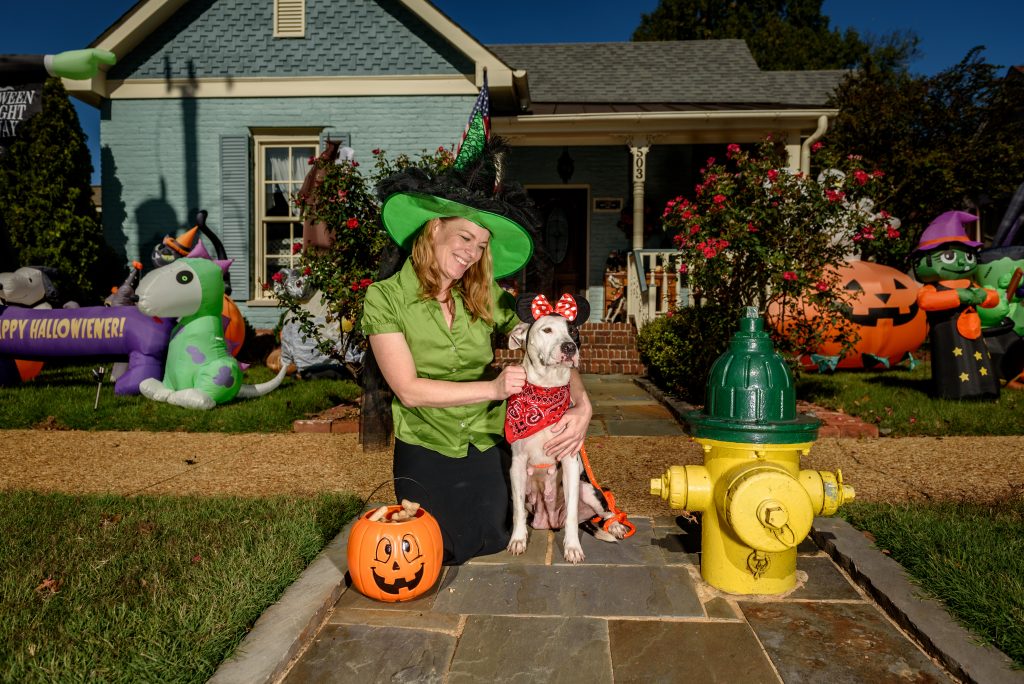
[(200, 373)]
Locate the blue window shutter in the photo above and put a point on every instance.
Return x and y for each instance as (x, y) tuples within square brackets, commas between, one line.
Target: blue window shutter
[(235, 211)]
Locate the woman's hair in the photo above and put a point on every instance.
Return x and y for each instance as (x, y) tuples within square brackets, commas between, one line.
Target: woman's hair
[(475, 286)]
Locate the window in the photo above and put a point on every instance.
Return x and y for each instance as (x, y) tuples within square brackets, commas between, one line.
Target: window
[(289, 18), (281, 165)]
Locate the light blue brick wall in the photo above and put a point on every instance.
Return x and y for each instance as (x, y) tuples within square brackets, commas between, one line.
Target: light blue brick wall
[(157, 171), (221, 38)]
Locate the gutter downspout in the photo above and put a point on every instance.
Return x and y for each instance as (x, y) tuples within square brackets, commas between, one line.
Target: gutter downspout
[(805, 149)]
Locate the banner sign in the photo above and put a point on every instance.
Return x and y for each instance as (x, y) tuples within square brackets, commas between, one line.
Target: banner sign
[(18, 104), (93, 331)]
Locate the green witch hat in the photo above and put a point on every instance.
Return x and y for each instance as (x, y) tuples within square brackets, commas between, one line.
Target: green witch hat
[(472, 188)]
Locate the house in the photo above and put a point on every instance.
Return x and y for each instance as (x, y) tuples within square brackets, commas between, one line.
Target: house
[(217, 104)]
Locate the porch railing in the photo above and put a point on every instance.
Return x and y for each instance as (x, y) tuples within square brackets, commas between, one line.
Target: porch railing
[(652, 285)]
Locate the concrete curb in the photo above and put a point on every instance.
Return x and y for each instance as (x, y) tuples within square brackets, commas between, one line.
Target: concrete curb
[(288, 625), (925, 619)]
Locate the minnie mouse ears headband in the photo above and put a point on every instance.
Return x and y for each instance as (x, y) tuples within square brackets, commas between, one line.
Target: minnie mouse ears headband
[(531, 307)]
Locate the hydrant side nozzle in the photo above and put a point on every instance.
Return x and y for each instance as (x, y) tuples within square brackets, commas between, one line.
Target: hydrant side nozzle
[(826, 490), (684, 487)]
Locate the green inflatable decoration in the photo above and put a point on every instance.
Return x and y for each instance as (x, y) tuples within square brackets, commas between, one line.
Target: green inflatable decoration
[(200, 372)]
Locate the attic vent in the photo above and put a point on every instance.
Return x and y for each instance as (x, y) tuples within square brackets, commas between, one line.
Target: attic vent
[(289, 18)]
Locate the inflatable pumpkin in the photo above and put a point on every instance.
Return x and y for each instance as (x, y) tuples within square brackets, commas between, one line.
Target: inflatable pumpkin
[(885, 312), (234, 326), (394, 561)]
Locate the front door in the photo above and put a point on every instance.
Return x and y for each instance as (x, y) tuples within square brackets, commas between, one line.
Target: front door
[(563, 234)]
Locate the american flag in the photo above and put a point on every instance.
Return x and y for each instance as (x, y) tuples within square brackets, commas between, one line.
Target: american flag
[(478, 127)]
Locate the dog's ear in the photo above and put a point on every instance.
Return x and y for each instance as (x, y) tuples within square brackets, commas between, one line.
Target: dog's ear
[(517, 338), (523, 306), (582, 311)]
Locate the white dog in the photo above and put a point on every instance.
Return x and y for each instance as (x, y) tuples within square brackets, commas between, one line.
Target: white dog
[(550, 337)]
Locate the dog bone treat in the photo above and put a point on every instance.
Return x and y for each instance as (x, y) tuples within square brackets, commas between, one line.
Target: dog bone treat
[(407, 512)]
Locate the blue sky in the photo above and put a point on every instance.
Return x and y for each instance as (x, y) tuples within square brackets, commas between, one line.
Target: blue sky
[(947, 30)]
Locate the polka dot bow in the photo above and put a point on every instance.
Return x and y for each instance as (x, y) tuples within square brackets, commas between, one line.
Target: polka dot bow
[(565, 307)]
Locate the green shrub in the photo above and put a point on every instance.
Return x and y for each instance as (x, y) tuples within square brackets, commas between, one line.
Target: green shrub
[(679, 349)]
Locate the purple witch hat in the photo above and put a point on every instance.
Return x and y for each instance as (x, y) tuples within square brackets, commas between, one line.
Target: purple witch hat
[(947, 228)]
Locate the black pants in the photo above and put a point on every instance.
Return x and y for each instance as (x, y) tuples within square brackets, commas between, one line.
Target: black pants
[(469, 497)]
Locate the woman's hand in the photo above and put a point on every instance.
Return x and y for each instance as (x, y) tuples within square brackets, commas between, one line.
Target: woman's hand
[(509, 382), (568, 432)]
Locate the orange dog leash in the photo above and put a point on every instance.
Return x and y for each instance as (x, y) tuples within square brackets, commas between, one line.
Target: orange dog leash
[(617, 515)]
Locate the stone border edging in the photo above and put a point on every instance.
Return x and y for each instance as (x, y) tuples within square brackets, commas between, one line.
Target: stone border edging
[(288, 624), (924, 618)]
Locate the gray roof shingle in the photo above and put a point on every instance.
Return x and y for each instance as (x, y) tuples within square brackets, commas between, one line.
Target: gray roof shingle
[(692, 72)]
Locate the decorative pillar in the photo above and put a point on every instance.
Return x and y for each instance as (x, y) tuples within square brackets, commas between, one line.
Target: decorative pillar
[(639, 148)]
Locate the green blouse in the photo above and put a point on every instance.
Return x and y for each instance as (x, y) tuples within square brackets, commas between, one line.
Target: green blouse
[(462, 353)]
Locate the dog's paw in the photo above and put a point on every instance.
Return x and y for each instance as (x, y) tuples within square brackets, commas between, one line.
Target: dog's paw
[(618, 530), (573, 554), (517, 547)]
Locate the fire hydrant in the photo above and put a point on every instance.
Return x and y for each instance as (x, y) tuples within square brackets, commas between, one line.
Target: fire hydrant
[(757, 503)]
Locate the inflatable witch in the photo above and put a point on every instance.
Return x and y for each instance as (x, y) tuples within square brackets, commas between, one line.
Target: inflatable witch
[(945, 259)]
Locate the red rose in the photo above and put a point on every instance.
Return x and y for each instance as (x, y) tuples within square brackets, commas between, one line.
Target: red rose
[(732, 149), (718, 199), (352, 223), (860, 176), (296, 247), (751, 228), (789, 275), (683, 268), (773, 175), (307, 271), (822, 286), (816, 146), (277, 277)]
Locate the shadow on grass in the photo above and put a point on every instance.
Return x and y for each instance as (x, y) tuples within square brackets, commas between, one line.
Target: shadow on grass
[(922, 385)]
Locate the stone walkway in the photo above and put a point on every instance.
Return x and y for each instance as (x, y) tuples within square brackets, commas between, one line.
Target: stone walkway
[(635, 611)]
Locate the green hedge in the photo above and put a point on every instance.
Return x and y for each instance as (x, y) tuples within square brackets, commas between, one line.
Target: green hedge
[(680, 348)]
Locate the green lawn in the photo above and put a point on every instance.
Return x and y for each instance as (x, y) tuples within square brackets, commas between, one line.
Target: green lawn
[(969, 556), (146, 589), (62, 396), (897, 400)]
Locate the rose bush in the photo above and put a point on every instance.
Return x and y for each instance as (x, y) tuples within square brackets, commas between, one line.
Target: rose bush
[(755, 233), (346, 203)]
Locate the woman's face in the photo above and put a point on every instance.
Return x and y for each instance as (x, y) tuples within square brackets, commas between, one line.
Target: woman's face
[(458, 244)]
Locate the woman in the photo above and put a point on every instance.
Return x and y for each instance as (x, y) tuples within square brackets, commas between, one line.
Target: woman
[(430, 328)]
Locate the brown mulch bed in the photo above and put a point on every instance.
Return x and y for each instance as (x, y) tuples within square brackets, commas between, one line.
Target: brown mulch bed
[(917, 468)]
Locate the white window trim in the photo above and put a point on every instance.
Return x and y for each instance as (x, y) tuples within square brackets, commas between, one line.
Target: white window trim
[(260, 143)]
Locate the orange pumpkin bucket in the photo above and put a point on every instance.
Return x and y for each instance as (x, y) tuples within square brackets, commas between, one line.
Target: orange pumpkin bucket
[(394, 561)]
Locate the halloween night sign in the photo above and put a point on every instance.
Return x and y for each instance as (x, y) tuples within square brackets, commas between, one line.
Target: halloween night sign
[(18, 103)]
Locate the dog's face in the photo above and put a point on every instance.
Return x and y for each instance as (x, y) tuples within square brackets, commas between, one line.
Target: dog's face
[(548, 341)]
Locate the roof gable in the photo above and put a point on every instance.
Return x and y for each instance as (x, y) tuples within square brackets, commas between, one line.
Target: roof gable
[(234, 39), (227, 47)]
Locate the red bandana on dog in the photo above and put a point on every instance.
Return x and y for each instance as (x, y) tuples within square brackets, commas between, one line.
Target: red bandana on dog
[(534, 409)]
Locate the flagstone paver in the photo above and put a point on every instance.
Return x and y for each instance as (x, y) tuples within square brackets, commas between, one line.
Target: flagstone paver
[(840, 643)]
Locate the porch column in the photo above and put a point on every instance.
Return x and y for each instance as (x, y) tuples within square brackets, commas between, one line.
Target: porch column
[(639, 148)]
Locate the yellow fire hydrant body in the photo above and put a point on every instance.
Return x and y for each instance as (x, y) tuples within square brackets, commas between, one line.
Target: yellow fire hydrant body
[(757, 504)]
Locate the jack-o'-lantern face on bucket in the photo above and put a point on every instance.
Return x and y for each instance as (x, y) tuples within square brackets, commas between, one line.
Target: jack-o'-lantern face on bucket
[(397, 564)]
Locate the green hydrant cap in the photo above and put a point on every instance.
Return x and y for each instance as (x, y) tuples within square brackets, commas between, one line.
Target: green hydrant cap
[(750, 394)]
